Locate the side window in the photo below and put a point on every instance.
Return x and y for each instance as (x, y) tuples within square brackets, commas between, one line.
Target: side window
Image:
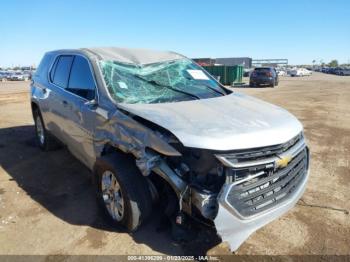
[(62, 68), (52, 72), (81, 81), (44, 65)]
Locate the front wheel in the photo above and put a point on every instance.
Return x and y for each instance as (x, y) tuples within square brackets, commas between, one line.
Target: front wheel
[(122, 191)]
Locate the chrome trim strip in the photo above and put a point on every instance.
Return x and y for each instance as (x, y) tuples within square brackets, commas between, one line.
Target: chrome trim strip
[(226, 162), (248, 178), (296, 149)]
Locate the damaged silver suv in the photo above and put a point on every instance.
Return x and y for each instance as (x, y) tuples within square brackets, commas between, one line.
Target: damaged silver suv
[(154, 126)]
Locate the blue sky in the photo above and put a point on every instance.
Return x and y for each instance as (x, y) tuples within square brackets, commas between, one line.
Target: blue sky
[(300, 30)]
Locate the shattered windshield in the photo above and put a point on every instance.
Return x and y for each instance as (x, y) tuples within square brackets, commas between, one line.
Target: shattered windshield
[(171, 81)]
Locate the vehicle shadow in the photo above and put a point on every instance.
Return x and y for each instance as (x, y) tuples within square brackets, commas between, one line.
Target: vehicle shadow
[(62, 185)]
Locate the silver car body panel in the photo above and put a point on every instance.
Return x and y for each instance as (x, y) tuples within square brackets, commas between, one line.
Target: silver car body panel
[(119, 130), (134, 56), (231, 122)]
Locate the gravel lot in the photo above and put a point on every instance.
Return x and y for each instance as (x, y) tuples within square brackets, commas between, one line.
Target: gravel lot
[(47, 203)]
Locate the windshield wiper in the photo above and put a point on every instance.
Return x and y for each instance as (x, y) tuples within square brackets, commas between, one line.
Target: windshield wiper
[(213, 89), (167, 86), (207, 86)]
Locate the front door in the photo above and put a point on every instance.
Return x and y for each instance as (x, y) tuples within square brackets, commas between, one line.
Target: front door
[(79, 112)]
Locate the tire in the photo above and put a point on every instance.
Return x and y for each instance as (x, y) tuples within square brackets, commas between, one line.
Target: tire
[(273, 84), (43, 138), (132, 202)]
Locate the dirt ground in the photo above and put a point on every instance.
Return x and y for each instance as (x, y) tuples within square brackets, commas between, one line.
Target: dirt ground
[(47, 203)]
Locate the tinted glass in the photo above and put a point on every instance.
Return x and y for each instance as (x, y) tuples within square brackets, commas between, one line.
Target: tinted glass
[(62, 71), (81, 81), (263, 69), (44, 66), (52, 72)]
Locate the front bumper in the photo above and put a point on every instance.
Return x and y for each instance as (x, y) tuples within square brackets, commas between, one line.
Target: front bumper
[(235, 229)]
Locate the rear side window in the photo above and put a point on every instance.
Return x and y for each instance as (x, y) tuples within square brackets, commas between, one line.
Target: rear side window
[(61, 71), (81, 81), (43, 66)]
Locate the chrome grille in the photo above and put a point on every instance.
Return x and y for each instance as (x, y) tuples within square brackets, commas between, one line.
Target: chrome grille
[(260, 184)]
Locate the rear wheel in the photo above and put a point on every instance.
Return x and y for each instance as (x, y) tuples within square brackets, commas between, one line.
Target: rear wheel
[(44, 139), (122, 192)]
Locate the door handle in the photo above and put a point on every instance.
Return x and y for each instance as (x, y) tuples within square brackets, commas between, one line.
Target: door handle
[(64, 102), (43, 89)]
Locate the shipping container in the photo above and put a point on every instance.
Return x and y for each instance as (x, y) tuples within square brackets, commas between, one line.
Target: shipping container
[(227, 75)]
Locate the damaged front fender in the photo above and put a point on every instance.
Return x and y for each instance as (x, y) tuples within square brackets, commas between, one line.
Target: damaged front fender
[(123, 132)]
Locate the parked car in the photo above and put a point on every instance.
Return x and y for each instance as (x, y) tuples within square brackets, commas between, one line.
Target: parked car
[(3, 76), (300, 72), (343, 71), (331, 70), (263, 76), (295, 72), (27, 75), (19, 76), (154, 127), (305, 72), (281, 73)]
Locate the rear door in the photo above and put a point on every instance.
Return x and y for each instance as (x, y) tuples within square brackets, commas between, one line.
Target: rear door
[(55, 115)]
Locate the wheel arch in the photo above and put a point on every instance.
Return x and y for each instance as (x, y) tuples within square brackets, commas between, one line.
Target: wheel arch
[(162, 171), (34, 106)]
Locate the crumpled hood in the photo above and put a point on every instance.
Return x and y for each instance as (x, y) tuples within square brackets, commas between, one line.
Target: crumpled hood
[(235, 121)]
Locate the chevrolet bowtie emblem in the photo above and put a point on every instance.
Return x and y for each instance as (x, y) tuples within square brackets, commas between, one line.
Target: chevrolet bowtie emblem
[(283, 161)]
